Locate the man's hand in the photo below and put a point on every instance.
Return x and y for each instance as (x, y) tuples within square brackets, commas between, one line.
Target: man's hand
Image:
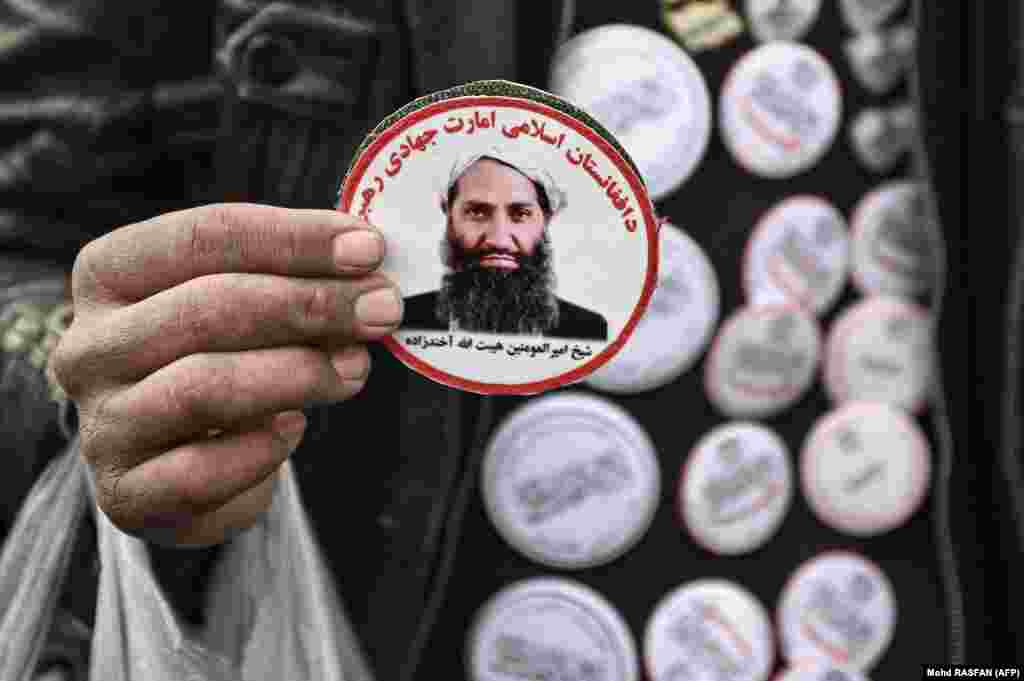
[(197, 338)]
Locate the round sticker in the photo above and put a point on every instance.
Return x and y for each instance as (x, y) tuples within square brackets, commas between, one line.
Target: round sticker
[(518, 231), (838, 607), (762, 361), (571, 480), (865, 468), (780, 109), (550, 628), (798, 252), (866, 15), (735, 488), (647, 91), (893, 252), (879, 60), (709, 629), (881, 350), (820, 670), (781, 19), (880, 137), (677, 325)]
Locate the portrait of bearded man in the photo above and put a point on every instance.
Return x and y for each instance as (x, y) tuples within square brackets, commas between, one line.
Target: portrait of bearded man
[(497, 251)]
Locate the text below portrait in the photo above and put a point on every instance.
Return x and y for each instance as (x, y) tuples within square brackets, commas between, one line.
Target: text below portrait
[(519, 231)]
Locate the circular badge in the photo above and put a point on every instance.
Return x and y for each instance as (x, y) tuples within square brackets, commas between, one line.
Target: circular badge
[(781, 19), (647, 91), (865, 468), (880, 137), (709, 629), (550, 628), (866, 15), (735, 488), (518, 231), (677, 325), (762, 361), (881, 350), (571, 480), (893, 252), (799, 252), (838, 607), (780, 109), (820, 670), (879, 60)]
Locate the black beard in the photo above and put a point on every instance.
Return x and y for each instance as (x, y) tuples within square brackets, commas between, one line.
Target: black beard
[(494, 300)]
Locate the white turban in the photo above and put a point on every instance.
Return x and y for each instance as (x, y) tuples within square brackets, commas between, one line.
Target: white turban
[(523, 162)]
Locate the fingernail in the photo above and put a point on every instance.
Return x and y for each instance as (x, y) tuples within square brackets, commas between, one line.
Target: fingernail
[(381, 307), (358, 248), (290, 426), (352, 363)]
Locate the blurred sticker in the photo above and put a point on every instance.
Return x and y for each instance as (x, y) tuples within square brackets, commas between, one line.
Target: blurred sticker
[(893, 252), (763, 360), (865, 468), (798, 252), (780, 109), (781, 19), (865, 15), (647, 91), (838, 607), (702, 24), (881, 137), (678, 325), (709, 629), (736, 487), (881, 350), (880, 59)]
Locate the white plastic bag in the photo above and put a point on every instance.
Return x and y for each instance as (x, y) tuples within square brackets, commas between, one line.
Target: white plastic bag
[(272, 610), (35, 560)]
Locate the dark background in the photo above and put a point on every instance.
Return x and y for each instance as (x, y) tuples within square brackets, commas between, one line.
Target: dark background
[(989, 181)]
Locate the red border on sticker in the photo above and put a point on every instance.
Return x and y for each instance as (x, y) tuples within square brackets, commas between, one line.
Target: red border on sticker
[(355, 176), (805, 301), (789, 593)]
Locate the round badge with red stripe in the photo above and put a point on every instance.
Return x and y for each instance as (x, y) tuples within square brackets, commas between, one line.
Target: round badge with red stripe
[(840, 608), (709, 629), (780, 109), (763, 360), (893, 251), (798, 252), (519, 230), (881, 350)]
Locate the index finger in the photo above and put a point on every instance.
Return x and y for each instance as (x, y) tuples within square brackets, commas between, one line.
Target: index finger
[(133, 262)]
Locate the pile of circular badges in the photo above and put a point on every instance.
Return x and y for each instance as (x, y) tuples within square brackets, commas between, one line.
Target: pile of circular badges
[(572, 481)]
